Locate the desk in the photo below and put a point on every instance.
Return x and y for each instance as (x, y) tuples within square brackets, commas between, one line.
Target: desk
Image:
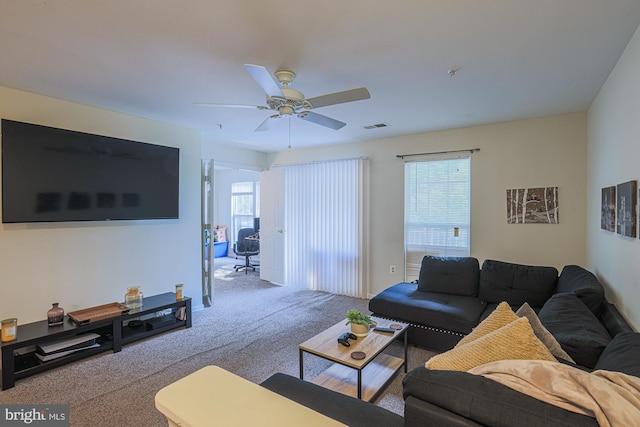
[(215, 397)]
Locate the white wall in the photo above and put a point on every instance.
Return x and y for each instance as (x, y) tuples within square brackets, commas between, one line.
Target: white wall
[(614, 158), (234, 156), (85, 264), (529, 153)]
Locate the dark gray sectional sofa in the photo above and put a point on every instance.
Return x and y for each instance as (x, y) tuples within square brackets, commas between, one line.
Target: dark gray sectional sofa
[(455, 398), (451, 297)]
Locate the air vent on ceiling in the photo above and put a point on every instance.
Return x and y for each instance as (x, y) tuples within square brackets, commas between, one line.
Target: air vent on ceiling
[(377, 125)]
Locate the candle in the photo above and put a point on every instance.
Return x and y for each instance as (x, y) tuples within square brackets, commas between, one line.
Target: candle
[(9, 329)]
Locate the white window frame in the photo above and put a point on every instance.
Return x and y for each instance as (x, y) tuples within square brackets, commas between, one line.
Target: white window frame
[(255, 193), (447, 237)]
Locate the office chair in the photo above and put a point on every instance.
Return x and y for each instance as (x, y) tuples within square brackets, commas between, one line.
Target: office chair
[(246, 248)]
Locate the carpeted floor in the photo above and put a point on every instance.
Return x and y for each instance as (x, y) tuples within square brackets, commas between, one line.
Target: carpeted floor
[(253, 330)]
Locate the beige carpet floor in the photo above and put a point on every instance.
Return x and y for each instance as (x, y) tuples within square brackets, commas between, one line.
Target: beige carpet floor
[(253, 329)]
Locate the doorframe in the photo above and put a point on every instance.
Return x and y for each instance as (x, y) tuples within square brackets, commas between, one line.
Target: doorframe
[(207, 248)]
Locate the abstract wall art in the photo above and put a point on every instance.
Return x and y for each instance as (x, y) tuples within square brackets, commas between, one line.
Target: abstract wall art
[(627, 199), (608, 209)]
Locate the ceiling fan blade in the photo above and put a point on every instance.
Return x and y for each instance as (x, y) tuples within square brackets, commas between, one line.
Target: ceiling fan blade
[(340, 97), (212, 104), (321, 120), (266, 125), (264, 78)]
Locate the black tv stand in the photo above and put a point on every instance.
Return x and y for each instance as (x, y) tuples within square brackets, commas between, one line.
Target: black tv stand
[(19, 358)]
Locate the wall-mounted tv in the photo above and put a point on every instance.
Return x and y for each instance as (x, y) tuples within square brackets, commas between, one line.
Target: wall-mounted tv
[(51, 175)]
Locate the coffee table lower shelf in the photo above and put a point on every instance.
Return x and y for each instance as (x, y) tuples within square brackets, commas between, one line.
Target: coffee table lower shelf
[(375, 376)]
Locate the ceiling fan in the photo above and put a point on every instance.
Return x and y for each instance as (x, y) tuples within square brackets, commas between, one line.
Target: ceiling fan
[(288, 102)]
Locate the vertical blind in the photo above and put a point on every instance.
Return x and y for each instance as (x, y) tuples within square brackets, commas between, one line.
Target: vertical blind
[(437, 202), (325, 221)]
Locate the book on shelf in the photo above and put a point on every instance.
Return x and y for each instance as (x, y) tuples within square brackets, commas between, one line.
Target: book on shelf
[(181, 313)]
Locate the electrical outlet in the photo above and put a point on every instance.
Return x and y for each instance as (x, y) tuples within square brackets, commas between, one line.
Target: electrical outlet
[(392, 269)]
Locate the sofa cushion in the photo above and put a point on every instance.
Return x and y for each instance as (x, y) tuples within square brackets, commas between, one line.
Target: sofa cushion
[(346, 409), (418, 413), (501, 316), (621, 354), (542, 333), (456, 276), (575, 327), (450, 312), (513, 341), (516, 283), (583, 284), (485, 401)]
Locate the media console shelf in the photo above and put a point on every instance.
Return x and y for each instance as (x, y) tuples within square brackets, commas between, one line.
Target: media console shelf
[(19, 358)]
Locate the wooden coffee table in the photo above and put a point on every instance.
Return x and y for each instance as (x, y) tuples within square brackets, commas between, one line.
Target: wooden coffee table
[(363, 378)]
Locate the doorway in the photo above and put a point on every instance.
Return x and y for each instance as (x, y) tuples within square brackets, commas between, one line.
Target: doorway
[(230, 200)]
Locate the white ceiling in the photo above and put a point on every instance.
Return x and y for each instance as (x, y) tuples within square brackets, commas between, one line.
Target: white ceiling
[(155, 58)]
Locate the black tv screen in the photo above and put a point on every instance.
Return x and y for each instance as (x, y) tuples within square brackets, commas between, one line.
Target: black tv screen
[(51, 175)]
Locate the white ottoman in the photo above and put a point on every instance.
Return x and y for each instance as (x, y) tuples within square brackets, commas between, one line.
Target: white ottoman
[(215, 397)]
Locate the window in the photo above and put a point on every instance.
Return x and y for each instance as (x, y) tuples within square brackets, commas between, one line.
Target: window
[(436, 210), (245, 205)]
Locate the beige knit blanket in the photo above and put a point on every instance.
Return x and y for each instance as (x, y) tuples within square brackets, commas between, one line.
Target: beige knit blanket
[(613, 398)]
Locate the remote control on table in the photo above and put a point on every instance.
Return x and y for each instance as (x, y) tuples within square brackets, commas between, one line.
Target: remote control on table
[(381, 329)]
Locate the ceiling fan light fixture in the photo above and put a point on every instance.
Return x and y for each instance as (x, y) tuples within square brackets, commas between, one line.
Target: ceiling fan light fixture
[(292, 94), (286, 111), (289, 102)]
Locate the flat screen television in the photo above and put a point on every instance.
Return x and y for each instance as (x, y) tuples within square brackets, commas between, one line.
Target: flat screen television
[(52, 175)]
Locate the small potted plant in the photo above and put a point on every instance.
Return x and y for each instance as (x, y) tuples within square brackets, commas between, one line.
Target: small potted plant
[(360, 323)]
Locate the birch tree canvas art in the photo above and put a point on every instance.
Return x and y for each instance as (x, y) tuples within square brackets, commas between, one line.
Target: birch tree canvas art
[(626, 209), (532, 205)]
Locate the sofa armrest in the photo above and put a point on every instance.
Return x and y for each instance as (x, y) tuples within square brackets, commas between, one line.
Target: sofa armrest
[(483, 401), (611, 318)]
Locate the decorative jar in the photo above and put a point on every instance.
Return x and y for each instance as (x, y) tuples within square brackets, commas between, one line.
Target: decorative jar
[(179, 294), (133, 297), (9, 329), (55, 315)]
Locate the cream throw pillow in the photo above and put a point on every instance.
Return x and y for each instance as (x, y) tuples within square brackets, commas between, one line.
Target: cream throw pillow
[(513, 341), (501, 316), (542, 333)]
